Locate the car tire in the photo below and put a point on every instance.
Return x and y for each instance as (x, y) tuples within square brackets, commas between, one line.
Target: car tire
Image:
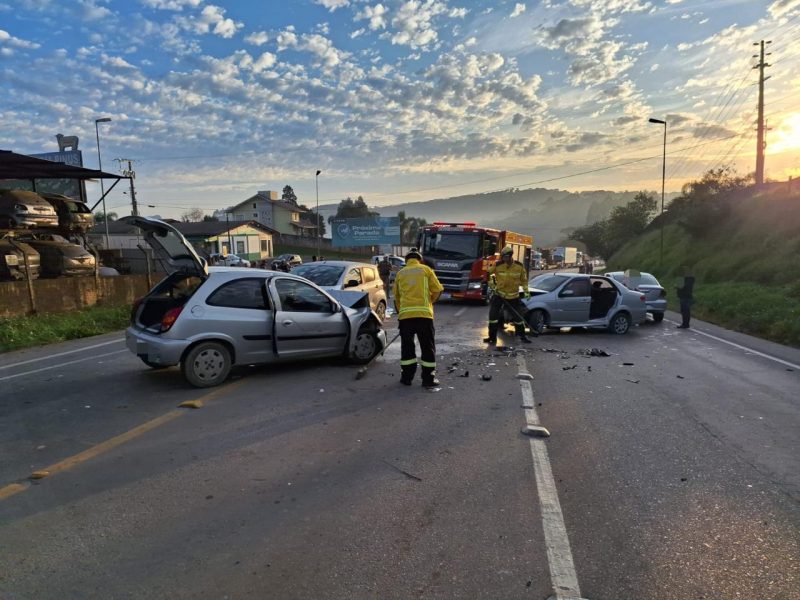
[(658, 317), (366, 347), (380, 310), (207, 364), (535, 320), (153, 365), (620, 323)]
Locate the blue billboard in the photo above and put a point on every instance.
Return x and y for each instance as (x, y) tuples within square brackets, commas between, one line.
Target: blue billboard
[(372, 231)]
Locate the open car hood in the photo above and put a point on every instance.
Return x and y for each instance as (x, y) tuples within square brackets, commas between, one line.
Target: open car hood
[(349, 298), (169, 245)]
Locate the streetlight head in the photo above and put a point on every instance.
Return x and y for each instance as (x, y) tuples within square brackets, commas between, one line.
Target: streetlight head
[(103, 120), (659, 121)]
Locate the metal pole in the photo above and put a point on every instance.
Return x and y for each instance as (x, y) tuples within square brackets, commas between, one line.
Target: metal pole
[(100, 168), (319, 232), (663, 183)]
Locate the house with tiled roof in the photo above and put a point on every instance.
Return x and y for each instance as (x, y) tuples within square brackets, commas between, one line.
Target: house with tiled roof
[(284, 217)]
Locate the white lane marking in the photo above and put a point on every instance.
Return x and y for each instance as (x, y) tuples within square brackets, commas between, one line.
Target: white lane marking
[(740, 347), (32, 360), (563, 577), (58, 366), (460, 311)]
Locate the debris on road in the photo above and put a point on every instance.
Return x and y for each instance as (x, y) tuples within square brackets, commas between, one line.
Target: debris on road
[(680, 376), (569, 368), (39, 474), (633, 380), (627, 364), (535, 431), (191, 404), (485, 377), (525, 376), (406, 473), (592, 352), (466, 374)]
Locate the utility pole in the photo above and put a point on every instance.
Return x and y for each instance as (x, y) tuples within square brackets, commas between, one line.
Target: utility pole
[(761, 144), (131, 174)]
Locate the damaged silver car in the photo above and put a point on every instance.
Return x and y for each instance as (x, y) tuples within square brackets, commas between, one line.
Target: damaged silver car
[(209, 319)]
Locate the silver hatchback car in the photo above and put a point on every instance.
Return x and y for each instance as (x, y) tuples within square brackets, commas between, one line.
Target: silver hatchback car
[(656, 295), (347, 275), (577, 300), (210, 319)]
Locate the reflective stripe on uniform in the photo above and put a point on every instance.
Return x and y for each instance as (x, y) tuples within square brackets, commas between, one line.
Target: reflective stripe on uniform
[(430, 365), (490, 321), (410, 361)]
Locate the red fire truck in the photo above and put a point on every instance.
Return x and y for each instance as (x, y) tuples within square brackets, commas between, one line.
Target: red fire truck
[(461, 254)]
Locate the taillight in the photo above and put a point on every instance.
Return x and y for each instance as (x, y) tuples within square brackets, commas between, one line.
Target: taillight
[(169, 319), (662, 294), (643, 298), (134, 309)]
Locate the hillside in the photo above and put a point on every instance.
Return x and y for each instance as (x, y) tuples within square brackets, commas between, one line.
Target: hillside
[(745, 263), (544, 213)]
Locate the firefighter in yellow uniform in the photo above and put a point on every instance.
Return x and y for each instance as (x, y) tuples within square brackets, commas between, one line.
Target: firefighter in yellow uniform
[(415, 290), (505, 278)]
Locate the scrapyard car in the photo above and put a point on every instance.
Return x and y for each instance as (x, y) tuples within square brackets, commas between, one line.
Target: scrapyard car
[(208, 320), (576, 300), (25, 210), (15, 260), (59, 257), (73, 215)]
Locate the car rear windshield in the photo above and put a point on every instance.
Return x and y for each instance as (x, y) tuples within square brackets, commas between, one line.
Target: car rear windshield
[(548, 283), (324, 275)]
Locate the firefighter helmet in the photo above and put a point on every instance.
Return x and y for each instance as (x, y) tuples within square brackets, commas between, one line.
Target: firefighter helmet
[(507, 251)]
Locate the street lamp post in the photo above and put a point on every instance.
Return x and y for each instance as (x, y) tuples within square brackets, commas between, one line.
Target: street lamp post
[(319, 233), (100, 168), (663, 180)]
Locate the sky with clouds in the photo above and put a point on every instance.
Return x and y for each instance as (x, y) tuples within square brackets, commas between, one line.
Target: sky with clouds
[(398, 100)]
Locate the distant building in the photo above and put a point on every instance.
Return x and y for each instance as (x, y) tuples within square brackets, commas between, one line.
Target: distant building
[(267, 208)]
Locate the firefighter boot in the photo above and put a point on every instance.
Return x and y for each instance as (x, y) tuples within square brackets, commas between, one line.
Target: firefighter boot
[(429, 379), (407, 373)]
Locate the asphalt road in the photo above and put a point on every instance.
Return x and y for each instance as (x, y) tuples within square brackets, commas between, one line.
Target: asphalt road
[(675, 476)]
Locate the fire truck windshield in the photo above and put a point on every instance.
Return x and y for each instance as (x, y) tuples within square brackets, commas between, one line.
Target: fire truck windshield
[(451, 245)]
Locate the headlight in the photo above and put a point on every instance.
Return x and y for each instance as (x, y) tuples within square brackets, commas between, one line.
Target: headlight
[(21, 207), (474, 285)]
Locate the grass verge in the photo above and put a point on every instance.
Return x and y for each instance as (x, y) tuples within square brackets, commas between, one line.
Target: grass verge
[(24, 332)]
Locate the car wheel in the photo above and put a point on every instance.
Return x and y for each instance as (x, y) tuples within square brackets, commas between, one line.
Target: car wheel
[(153, 365), (535, 319), (366, 347), (658, 317), (620, 323), (381, 310), (207, 364)]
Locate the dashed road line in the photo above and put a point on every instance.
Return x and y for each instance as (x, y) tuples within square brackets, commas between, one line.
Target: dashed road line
[(33, 360), (59, 365), (460, 311), (563, 577)]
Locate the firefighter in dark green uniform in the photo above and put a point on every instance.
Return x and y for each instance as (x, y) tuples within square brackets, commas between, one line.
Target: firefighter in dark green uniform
[(505, 278)]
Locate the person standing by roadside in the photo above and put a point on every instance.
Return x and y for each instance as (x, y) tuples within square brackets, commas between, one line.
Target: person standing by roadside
[(385, 271), (505, 278), (686, 297), (415, 290)]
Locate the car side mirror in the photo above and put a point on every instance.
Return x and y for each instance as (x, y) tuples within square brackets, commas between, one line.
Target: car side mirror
[(568, 293), (351, 283)]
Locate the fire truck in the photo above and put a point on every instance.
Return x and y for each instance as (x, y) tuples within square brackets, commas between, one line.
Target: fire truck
[(461, 254)]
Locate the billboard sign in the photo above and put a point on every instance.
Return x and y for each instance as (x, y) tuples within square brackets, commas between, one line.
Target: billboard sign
[(370, 231)]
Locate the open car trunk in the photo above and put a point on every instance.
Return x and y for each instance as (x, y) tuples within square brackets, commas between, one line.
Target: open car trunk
[(172, 292)]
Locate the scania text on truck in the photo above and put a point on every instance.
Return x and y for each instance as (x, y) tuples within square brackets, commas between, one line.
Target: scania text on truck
[(461, 254)]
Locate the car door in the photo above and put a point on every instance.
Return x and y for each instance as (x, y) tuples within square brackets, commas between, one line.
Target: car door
[(372, 285), (240, 309), (573, 301), (307, 322)]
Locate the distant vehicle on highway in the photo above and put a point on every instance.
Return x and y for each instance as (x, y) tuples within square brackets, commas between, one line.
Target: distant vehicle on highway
[(647, 284), (347, 275), (20, 209), (209, 319), (565, 256), (229, 260), (398, 262), (290, 259), (576, 300)]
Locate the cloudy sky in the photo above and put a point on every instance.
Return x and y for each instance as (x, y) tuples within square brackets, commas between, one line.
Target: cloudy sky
[(398, 100)]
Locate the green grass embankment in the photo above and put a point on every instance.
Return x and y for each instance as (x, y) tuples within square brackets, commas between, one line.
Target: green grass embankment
[(746, 267), (38, 330)]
